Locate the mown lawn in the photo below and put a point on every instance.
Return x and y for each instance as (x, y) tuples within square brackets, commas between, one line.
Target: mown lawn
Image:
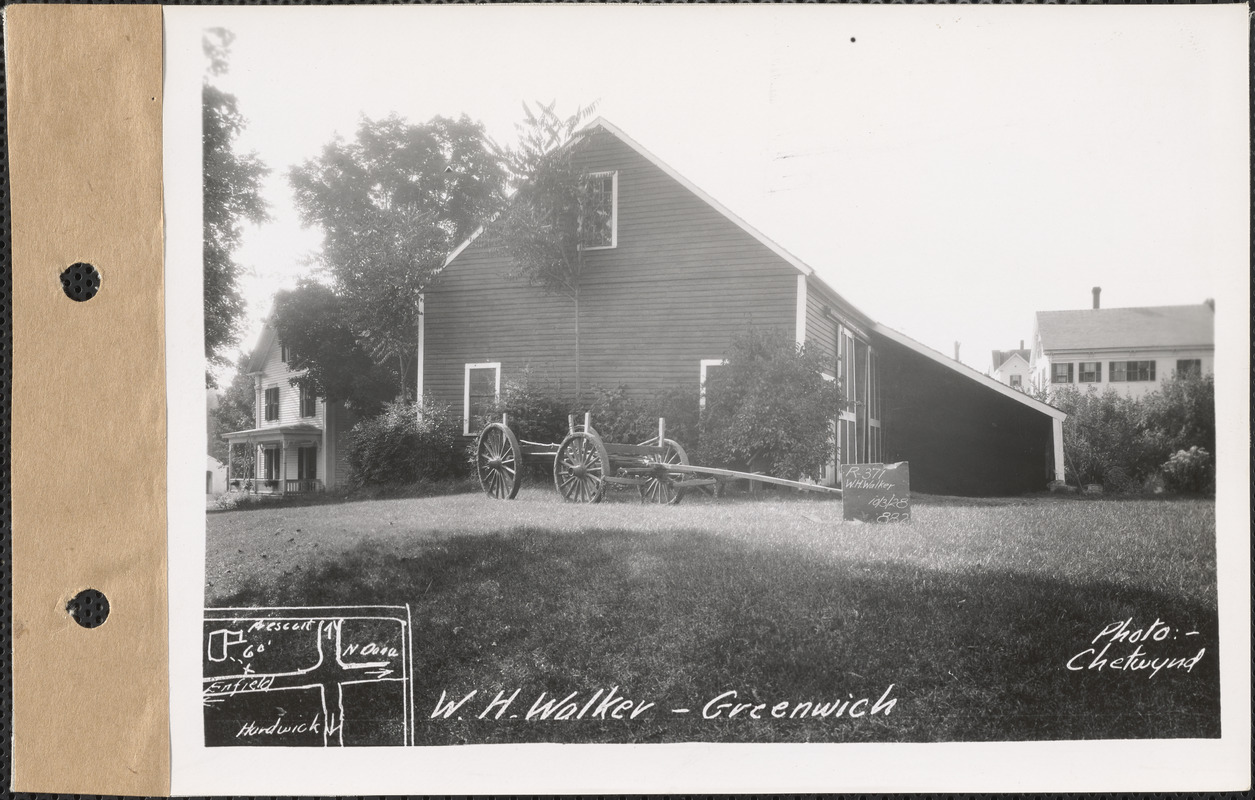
[(971, 612)]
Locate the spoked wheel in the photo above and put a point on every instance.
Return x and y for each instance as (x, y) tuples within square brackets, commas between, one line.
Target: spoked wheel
[(581, 467), (660, 485), (497, 459)]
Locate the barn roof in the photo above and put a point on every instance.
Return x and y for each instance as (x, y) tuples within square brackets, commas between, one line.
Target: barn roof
[(1127, 328)]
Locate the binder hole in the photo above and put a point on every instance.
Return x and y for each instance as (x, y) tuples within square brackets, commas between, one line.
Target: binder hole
[(89, 608), (80, 281)]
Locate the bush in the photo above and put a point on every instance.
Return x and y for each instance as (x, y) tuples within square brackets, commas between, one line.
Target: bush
[(538, 412), (397, 447), (1190, 470), (1104, 439), (770, 408), (1122, 443)]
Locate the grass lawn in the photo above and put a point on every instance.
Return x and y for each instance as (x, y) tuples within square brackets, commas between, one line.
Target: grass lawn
[(971, 612)]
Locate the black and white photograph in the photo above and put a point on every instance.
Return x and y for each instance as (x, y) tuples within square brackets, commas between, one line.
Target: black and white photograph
[(710, 375)]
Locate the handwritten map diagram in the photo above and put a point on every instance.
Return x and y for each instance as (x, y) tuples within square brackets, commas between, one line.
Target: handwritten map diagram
[(308, 677)]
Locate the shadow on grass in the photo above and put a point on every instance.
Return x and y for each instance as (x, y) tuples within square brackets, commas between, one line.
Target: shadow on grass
[(678, 618)]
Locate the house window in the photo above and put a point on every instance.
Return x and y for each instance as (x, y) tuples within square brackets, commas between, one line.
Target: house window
[(1060, 373), (272, 403), (307, 402), (1017, 382), (1091, 372), (1189, 366), (1132, 371), (710, 368), (283, 353), (307, 463), (600, 224), (480, 392)]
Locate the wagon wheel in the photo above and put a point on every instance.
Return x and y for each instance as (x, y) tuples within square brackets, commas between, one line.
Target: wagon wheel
[(580, 469), (497, 457), (660, 487)]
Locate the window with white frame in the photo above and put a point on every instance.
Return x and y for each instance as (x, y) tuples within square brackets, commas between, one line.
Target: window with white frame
[(272, 403), (480, 392), (1016, 382), (710, 368), (1189, 366), (599, 226), (1061, 373), (1132, 371), (1090, 372)]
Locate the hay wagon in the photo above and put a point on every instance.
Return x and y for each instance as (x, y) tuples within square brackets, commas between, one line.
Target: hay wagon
[(584, 465)]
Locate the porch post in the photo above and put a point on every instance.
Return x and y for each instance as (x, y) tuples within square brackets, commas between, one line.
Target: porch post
[(228, 486), (1057, 424), (283, 466)]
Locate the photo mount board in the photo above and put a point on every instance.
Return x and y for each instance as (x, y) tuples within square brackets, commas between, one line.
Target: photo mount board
[(90, 705)]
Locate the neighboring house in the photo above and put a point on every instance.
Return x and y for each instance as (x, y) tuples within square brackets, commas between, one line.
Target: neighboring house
[(298, 439), (1011, 367), (1131, 350), (675, 277)]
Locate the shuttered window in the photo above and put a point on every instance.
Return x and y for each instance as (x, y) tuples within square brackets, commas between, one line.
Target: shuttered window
[(1061, 373), (1132, 371), (272, 403), (307, 402), (1091, 372)]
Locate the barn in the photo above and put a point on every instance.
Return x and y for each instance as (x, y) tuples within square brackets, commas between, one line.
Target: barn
[(675, 278)]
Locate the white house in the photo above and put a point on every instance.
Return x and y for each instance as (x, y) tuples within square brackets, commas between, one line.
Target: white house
[(1131, 350), (1011, 367), (297, 438)]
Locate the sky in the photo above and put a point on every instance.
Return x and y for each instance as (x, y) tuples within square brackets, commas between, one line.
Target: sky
[(950, 170)]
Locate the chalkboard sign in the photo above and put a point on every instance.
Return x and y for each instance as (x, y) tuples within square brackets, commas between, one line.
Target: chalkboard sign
[(876, 492)]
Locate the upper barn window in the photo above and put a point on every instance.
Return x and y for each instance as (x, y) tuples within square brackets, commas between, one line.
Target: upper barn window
[(600, 226)]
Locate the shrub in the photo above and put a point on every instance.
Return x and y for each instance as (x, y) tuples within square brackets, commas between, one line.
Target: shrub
[(1182, 414), (396, 447), (1191, 470), (769, 407), (1104, 439), (620, 416)]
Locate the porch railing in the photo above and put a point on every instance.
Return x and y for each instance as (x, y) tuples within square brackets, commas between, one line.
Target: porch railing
[(301, 485)]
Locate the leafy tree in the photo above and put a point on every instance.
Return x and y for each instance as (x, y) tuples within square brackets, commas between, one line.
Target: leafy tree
[(1104, 438), (234, 412), (232, 197), (316, 324), (392, 204), (770, 407), (549, 219), (1181, 413)]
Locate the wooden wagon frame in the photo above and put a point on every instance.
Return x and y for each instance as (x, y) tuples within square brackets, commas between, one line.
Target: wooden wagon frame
[(584, 465)]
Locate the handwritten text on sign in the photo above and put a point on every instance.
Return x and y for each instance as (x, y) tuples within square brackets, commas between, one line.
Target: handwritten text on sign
[(876, 492)]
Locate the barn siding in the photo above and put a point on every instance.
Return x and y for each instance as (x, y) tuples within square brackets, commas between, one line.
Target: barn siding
[(681, 283), (960, 436)]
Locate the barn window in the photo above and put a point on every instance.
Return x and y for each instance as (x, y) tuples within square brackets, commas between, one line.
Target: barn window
[(1061, 373), (480, 392), (710, 368), (1091, 372), (599, 227), (272, 403)]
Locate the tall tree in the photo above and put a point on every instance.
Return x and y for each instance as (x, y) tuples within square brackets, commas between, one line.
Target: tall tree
[(232, 197), (234, 412), (316, 326), (392, 204), (555, 213)]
